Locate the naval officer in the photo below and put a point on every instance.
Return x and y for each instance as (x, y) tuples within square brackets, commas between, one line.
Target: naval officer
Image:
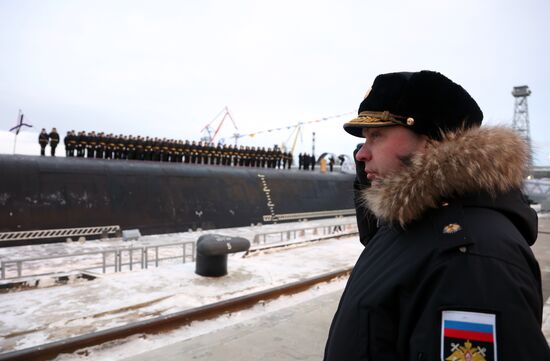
[(447, 272)]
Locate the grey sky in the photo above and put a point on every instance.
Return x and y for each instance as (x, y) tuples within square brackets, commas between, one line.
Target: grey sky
[(166, 68)]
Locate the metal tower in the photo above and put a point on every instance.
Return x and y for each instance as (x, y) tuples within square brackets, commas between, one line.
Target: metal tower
[(521, 113)]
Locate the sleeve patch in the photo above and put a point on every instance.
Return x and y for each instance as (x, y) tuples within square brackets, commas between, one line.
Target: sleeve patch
[(468, 336)]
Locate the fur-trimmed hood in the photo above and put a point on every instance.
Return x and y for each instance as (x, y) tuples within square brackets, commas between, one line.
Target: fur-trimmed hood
[(486, 160)]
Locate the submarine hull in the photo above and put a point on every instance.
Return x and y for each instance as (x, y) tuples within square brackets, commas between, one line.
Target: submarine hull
[(155, 197)]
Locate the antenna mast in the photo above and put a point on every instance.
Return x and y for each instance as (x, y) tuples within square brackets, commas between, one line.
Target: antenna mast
[(521, 114)]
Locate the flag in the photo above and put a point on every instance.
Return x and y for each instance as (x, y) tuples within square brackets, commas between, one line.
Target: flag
[(20, 123), (468, 336)]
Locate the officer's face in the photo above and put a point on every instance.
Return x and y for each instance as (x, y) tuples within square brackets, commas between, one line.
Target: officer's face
[(387, 150)]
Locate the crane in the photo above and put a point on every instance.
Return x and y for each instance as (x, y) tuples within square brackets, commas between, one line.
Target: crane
[(208, 129), (296, 132)]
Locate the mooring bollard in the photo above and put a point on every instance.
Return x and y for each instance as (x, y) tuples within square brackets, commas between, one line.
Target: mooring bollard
[(212, 251)]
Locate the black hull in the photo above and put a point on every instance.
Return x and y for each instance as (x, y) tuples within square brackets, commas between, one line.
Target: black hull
[(50, 193)]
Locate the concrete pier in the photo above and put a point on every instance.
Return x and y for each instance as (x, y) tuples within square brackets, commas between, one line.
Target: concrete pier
[(294, 333)]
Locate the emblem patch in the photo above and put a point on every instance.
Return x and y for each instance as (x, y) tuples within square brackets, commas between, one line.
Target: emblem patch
[(468, 336)]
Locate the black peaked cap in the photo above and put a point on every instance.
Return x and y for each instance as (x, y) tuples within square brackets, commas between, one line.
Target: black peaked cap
[(426, 102)]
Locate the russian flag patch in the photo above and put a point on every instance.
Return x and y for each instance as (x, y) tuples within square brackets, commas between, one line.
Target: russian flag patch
[(468, 336)]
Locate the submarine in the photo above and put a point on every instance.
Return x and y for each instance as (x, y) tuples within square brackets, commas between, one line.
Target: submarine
[(48, 193)]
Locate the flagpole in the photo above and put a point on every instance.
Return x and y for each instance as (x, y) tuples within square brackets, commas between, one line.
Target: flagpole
[(14, 143), (18, 127)]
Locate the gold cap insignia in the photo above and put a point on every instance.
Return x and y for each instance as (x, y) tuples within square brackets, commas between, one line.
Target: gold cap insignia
[(377, 119)]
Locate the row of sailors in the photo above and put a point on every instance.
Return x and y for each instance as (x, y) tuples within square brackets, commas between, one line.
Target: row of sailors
[(109, 146)]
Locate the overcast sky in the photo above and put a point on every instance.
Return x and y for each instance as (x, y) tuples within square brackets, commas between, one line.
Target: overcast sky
[(166, 68)]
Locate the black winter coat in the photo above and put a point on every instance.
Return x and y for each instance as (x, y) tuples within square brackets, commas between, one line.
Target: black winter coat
[(43, 138), (54, 138), (447, 245)]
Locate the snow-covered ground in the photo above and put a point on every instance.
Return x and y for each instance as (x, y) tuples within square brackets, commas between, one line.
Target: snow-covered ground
[(42, 315), (136, 345)]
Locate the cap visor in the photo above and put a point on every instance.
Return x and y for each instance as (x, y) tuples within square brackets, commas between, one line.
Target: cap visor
[(356, 129)]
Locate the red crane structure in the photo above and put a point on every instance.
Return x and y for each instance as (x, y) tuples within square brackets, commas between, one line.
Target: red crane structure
[(208, 130)]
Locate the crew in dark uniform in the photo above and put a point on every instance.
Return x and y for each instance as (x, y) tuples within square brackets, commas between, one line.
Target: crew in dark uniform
[(173, 151), (223, 154), (193, 152), (261, 157), (306, 161), (201, 152), (205, 152), (268, 158), (85, 140), (69, 148), (126, 147), (290, 159), (71, 141), (155, 149), (218, 154), (207, 155), (109, 146), (331, 163), (278, 157), (235, 155), (43, 140), (186, 152), (91, 141), (119, 146), (232, 161), (180, 146), (80, 144), (140, 147), (164, 152), (147, 148), (101, 145), (253, 156), (312, 161), (246, 156), (54, 141)]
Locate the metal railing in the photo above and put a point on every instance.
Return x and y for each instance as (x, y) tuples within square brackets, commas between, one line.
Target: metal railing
[(314, 231), (57, 233), (308, 215), (537, 187), (111, 259), (141, 257)]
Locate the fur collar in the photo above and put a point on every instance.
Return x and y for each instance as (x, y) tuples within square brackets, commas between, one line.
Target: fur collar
[(486, 159)]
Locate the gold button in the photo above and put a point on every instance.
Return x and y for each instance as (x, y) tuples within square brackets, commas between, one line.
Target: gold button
[(410, 121), (462, 249), (451, 228)]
